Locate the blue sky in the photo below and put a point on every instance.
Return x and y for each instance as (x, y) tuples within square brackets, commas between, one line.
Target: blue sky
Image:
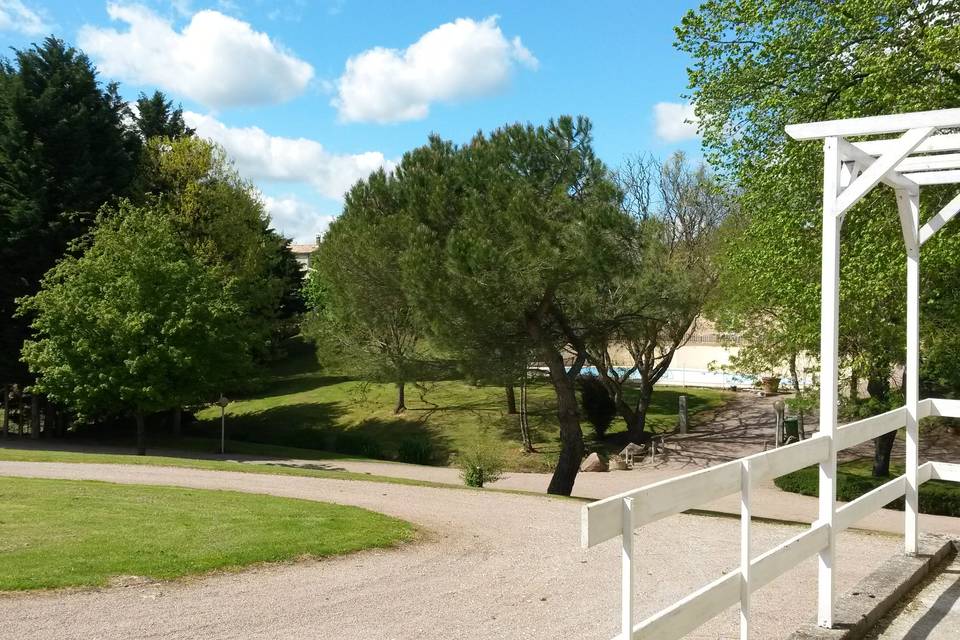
[(308, 96)]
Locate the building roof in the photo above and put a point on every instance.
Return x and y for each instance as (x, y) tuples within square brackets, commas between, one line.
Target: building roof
[(303, 248)]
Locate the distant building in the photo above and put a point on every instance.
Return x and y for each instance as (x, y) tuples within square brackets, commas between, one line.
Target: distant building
[(302, 253)]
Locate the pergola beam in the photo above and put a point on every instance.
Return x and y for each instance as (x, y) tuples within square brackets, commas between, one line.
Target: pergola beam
[(944, 216), (935, 177), (933, 144), (875, 124), (935, 162), (880, 167), (849, 151)]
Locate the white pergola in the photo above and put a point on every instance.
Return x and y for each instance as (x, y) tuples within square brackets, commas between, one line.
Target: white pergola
[(915, 154), (918, 155)]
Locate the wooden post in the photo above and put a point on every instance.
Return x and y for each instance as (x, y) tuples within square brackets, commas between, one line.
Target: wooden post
[(20, 416), (34, 416), (684, 418), (909, 205), (626, 572), (745, 556), (779, 408), (829, 325)]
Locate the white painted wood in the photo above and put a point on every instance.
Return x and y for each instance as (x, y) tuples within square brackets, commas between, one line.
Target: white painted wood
[(934, 162), (924, 408), (944, 407), (746, 488), (626, 572), (925, 472), (942, 217), (909, 206), (853, 512), (879, 169), (602, 520), (850, 151), (777, 561), (951, 176), (852, 434), (941, 118), (687, 614), (945, 471), (777, 462), (942, 142), (829, 322)]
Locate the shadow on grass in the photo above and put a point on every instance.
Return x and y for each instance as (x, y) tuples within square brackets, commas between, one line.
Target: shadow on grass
[(315, 426)]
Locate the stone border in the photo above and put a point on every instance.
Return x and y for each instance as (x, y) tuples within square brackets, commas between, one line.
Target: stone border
[(858, 611)]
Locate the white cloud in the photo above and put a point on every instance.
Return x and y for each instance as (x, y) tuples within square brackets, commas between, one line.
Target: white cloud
[(296, 219), (216, 60), (16, 16), (457, 60), (260, 156), (674, 121)]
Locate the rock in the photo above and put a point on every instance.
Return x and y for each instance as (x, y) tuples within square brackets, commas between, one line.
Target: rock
[(617, 463), (632, 449), (593, 462)]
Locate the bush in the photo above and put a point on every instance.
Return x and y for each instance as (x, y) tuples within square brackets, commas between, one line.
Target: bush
[(936, 498), (416, 451), (357, 444), (597, 406), (480, 464)]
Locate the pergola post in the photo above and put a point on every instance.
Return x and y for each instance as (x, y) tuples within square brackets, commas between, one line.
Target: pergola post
[(829, 328), (908, 203)]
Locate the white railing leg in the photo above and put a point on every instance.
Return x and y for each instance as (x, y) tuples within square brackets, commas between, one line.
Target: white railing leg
[(745, 557), (829, 324), (626, 572), (910, 212)]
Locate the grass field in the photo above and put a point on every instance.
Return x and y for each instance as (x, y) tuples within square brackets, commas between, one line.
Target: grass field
[(299, 406), (60, 533)]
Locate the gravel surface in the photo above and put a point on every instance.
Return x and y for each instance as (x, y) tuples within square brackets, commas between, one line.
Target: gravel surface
[(489, 566)]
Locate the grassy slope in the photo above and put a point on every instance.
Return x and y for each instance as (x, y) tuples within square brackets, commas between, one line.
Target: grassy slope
[(298, 406), (57, 533)]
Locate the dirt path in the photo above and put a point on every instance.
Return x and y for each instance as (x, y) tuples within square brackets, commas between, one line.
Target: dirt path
[(491, 565)]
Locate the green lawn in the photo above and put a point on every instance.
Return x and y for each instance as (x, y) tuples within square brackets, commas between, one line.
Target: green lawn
[(59, 533), (301, 407)]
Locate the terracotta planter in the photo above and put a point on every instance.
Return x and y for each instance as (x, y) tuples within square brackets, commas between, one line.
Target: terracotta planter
[(770, 384)]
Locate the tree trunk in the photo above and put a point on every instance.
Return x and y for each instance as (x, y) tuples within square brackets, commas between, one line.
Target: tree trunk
[(882, 448), (34, 416), (177, 420), (511, 399), (571, 436), (525, 440), (401, 399), (638, 428), (141, 435)]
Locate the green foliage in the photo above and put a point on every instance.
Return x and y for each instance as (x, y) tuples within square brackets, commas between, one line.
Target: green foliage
[(938, 498), (357, 444), (87, 533), (479, 464), (760, 66), (64, 152), (597, 405), (416, 451), (135, 324), (155, 117)]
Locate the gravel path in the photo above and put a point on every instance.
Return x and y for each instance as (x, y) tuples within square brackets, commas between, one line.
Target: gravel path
[(490, 566)]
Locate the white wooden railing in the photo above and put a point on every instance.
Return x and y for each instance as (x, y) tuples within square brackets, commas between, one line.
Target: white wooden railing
[(620, 515)]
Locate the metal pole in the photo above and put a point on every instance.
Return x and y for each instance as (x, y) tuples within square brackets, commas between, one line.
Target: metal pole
[(223, 429), (829, 326)]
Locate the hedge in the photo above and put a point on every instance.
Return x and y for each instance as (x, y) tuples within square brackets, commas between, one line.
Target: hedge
[(936, 497)]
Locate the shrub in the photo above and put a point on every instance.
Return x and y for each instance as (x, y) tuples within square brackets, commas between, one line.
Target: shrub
[(937, 498), (416, 451), (480, 464), (597, 406), (357, 444)]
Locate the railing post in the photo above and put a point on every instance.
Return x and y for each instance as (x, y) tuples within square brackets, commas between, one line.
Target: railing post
[(745, 489), (829, 325), (626, 571), (910, 215)]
